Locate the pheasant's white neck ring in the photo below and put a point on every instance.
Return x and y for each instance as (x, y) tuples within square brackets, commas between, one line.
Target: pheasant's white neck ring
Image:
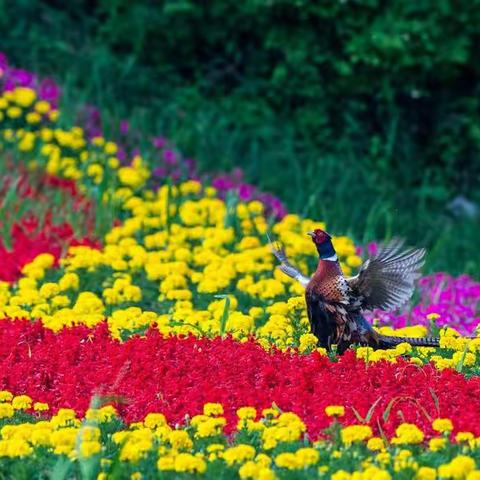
[(327, 252)]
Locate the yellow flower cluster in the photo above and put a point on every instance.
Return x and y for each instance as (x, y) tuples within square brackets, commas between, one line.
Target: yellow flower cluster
[(355, 433), (274, 446), (22, 103)]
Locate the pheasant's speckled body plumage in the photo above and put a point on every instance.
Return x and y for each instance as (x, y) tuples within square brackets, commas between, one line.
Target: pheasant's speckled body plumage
[(335, 303), (332, 320)]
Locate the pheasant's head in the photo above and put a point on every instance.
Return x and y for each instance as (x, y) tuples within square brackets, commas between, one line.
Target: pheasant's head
[(319, 236), (323, 242)]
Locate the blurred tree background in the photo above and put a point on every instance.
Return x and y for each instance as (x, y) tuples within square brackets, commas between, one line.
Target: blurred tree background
[(363, 113)]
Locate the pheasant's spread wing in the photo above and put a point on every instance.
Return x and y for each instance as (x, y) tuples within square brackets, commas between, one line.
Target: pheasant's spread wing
[(386, 280), (286, 267)]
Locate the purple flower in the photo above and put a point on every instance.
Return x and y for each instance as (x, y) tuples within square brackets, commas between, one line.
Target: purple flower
[(124, 127), (245, 192), (191, 166), (22, 78), (170, 157), (49, 90), (223, 183), (372, 248), (456, 300), (159, 172), (159, 142)]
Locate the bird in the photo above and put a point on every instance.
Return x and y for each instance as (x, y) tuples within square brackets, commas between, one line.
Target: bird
[(335, 303)]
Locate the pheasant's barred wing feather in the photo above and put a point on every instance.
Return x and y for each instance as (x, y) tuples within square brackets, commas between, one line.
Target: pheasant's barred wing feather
[(285, 265), (386, 280)]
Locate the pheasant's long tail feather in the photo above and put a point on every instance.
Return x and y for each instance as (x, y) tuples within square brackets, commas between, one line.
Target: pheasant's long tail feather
[(391, 342)]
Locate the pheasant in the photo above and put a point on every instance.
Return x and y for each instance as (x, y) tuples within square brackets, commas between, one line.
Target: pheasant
[(335, 303)]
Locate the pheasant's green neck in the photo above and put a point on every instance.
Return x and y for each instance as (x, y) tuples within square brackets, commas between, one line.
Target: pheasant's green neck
[(327, 252)]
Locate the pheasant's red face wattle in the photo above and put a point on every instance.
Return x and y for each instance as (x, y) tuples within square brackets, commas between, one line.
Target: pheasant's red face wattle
[(319, 236)]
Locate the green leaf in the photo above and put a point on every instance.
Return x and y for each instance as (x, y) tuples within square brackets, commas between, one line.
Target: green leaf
[(225, 314)]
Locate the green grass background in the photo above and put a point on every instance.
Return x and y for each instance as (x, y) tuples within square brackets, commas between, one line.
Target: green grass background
[(365, 114)]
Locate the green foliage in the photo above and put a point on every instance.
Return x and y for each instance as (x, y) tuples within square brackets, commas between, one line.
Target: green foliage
[(366, 104)]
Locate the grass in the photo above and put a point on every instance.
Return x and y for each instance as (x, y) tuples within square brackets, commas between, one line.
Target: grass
[(355, 192)]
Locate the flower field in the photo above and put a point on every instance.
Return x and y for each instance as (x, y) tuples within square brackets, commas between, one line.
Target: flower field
[(145, 331)]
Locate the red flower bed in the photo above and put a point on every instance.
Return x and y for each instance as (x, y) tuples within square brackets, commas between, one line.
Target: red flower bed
[(177, 376), (28, 239), (28, 242)]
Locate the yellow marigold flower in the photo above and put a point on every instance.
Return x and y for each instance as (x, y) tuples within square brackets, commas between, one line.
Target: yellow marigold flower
[(166, 463), (22, 402), (40, 406), (24, 96), (89, 433), (464, 436), (355, 433), (341, 475), (6, 410), (154, 420), (15, 447), (403, 348), (270, 413), (433, 316), (287, 460), (354, 261), (426, 473), (89, 448), (460, 467), (185, 462), (246, 413), (436, 444), (190, 187), (335, 411), (44, 260), (69, 280), (41, 436), (307, 456), (249, 470), (308, 342), (179, 439), (134, 451), (375, 473), (106, 413), (110, 148), (215, 447), (383, 458), (211, 426), (416, 361), (49, 289), (469, 359), (442, 425), (212, 409), (130, 177), (238, 454), (255, 312), (256, 207), (42, 107), (408, 433), (6, 396), (376, 443)]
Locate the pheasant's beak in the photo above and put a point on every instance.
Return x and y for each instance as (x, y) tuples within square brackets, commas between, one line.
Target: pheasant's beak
[(311, 234)]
